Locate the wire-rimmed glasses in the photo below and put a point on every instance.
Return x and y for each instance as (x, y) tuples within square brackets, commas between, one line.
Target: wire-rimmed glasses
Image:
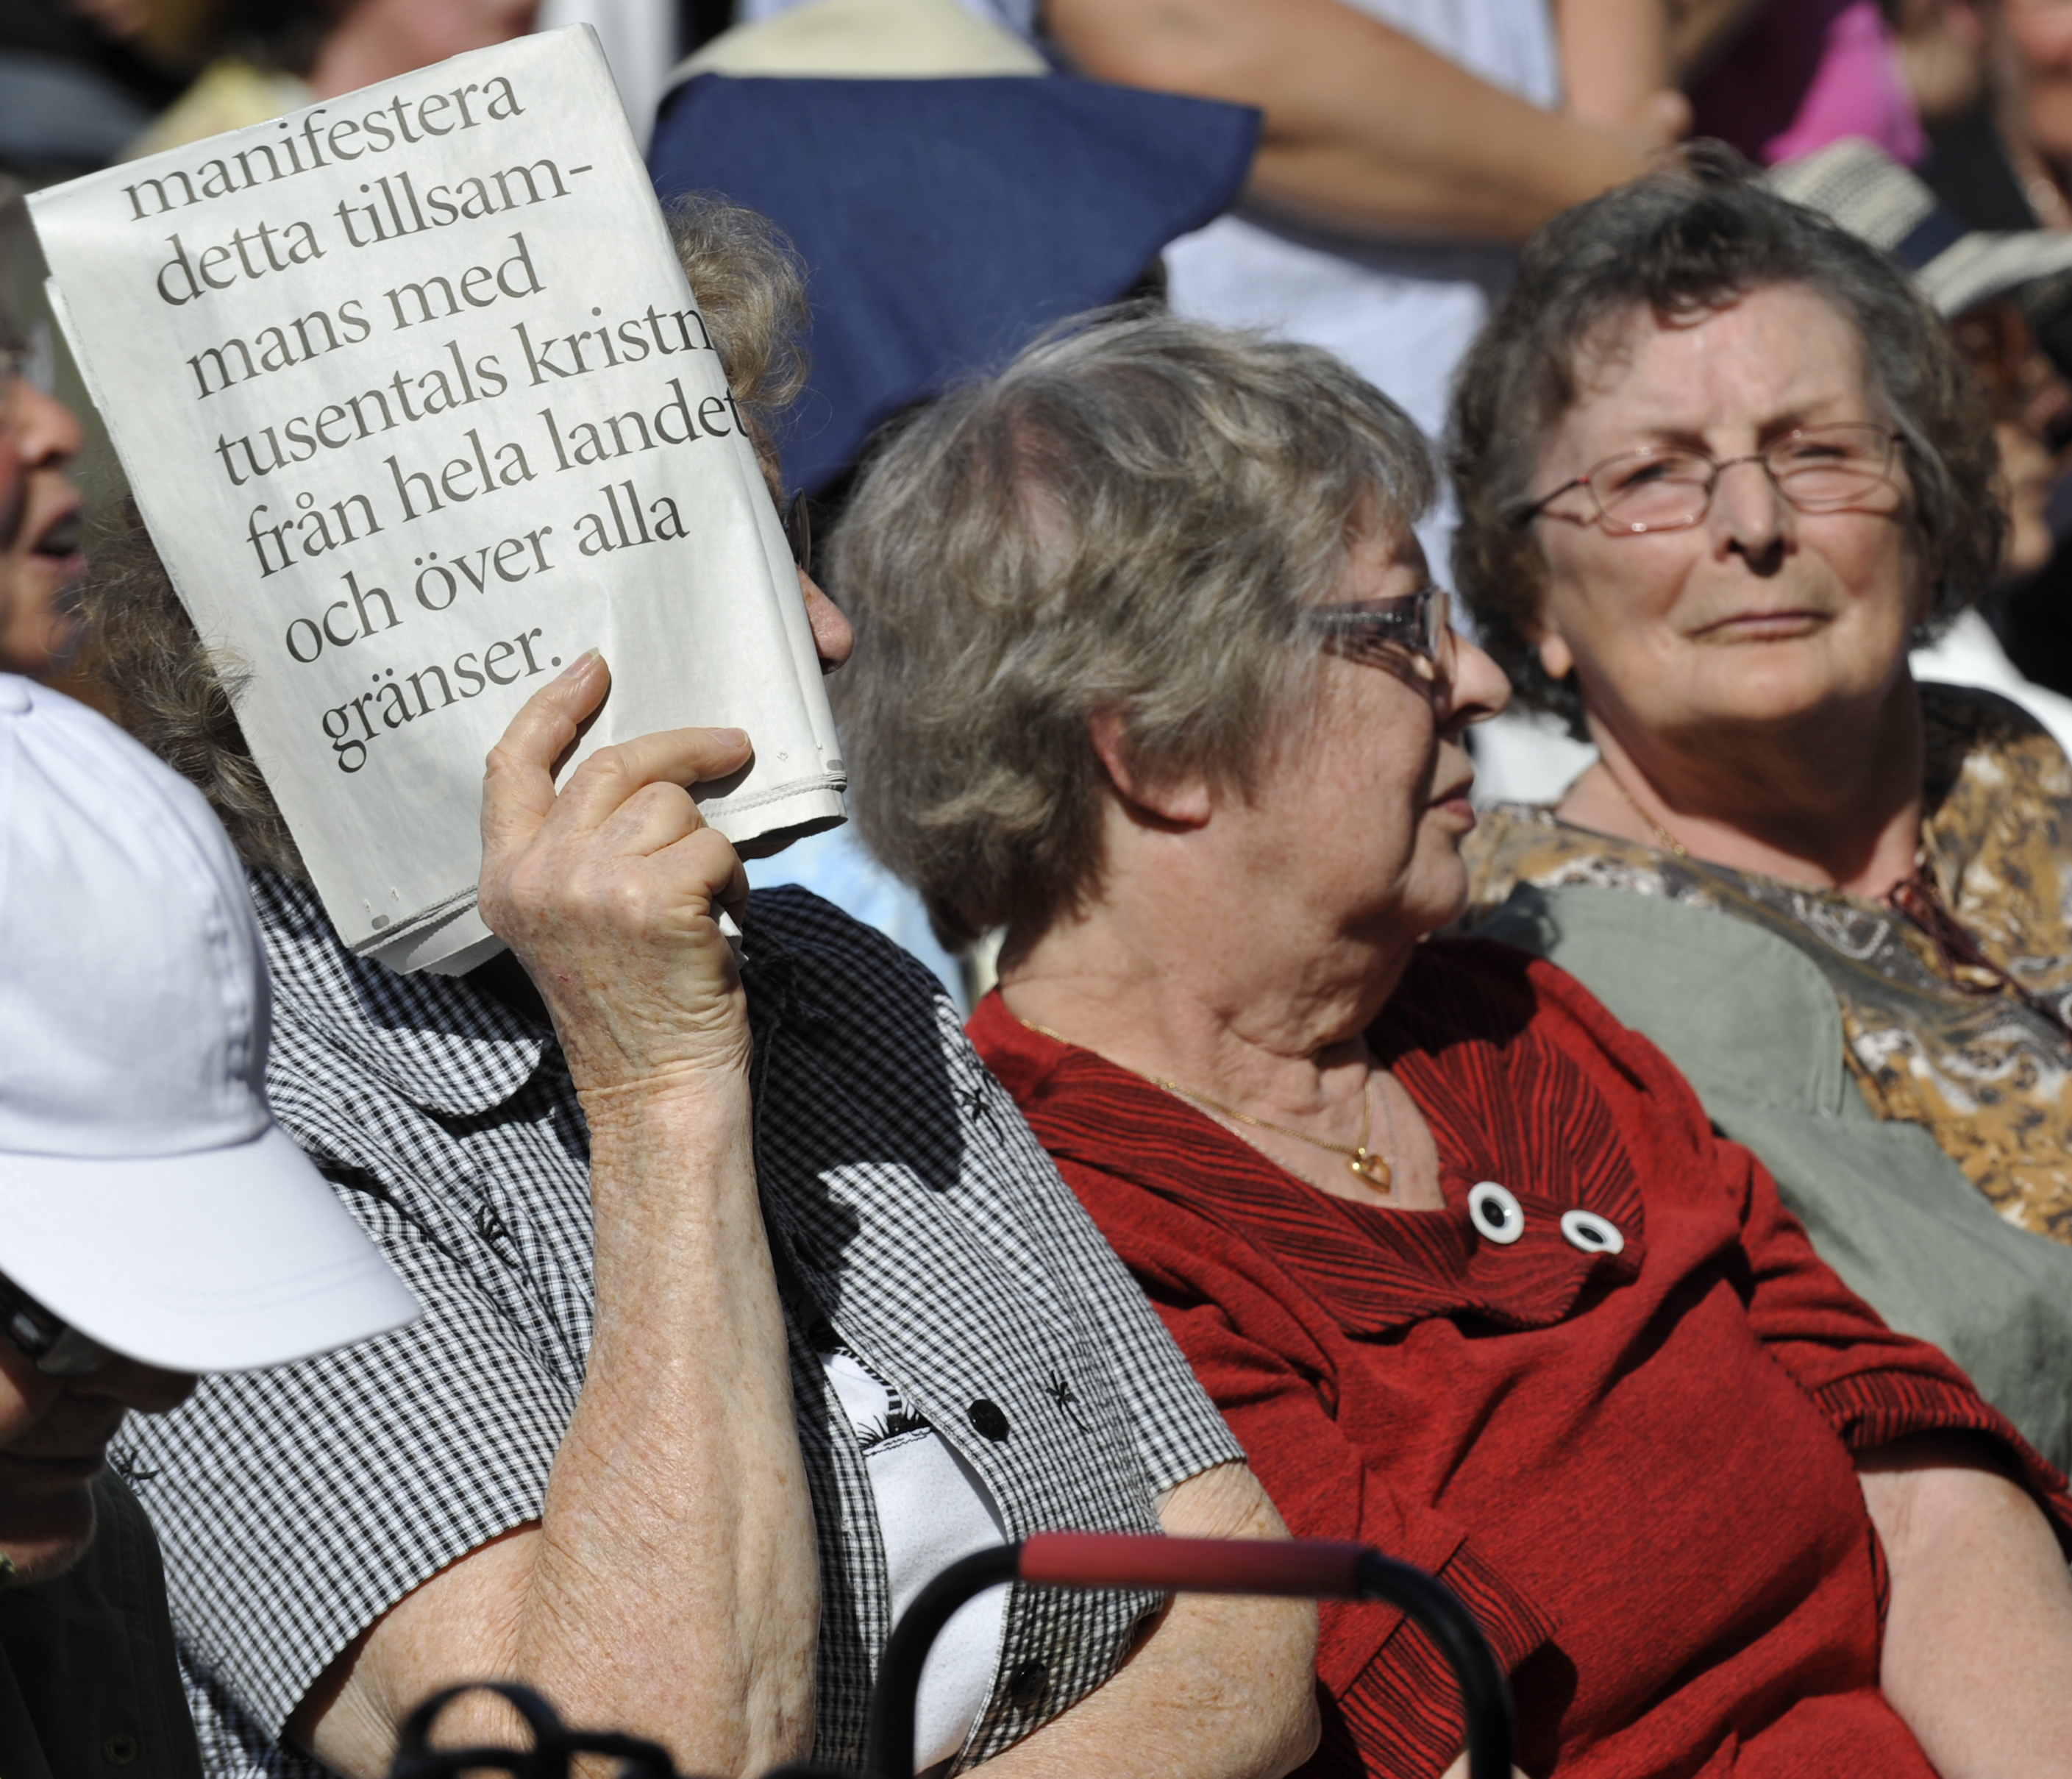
[(1382, 632), (1667, 487)]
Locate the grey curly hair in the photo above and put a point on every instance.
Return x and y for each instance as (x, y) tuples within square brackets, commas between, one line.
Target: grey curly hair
[(1129, 519), (179, 698), (1677, 243)]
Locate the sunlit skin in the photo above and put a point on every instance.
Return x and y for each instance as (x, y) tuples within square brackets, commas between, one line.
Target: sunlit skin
[(41, 565), (833, 640), (53, 1434), (669, 1586), (1745, 677), (1341, 853), (1242, 938)]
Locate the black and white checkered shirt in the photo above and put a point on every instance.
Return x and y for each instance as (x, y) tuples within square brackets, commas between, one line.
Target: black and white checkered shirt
[(909, 1203)]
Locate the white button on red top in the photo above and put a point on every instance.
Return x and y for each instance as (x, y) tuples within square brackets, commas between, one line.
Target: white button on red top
[(1593, 1234), (1495, 1213)]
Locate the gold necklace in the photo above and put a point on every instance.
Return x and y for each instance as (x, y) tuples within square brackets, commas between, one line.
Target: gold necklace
[(1376, 1170), (1669, 841)]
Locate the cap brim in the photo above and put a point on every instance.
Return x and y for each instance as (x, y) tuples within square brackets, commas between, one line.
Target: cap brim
[(224, 1260)]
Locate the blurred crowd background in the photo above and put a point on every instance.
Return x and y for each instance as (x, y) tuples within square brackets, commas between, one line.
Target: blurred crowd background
[(1357, 173)]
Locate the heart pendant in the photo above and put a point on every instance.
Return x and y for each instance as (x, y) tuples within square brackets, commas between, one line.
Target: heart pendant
[(1370, 1168)]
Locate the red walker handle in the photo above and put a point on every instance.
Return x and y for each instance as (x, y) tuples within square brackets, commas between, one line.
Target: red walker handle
[(1305, 1568)]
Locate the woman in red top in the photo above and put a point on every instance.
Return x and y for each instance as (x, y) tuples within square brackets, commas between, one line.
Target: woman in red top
[(1149, 672)]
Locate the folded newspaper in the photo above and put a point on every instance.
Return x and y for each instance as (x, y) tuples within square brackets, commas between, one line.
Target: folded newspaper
[(418, 407)]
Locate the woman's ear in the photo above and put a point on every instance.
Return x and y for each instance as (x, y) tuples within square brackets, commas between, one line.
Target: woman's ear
[(1184, 803)]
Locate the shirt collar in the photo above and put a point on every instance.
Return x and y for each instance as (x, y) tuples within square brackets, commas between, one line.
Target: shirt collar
[(433, 1040)]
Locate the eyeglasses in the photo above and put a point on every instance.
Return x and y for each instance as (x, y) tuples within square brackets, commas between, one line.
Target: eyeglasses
[(54, 1347), (797, 517), (1378, 633), (1818, 469)]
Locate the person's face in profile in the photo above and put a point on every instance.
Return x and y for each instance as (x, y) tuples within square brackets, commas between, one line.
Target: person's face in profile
[(41, 563), (53, 1434)]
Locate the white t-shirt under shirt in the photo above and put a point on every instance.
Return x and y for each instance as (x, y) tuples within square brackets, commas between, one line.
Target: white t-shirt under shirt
[(932, 1508), (1401, 313)]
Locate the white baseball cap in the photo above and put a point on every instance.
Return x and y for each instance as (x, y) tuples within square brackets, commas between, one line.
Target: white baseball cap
[(147, 1197)]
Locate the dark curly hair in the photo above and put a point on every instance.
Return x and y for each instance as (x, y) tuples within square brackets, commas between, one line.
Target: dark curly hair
[(1687, 239), (179, 698)]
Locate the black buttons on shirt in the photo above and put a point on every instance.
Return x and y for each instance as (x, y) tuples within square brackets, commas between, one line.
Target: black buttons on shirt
[(119, 1750), (1029, 1684), (987, 1420)]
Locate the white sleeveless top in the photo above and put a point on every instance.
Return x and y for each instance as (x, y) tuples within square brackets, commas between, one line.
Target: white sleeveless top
[(1400, 314)]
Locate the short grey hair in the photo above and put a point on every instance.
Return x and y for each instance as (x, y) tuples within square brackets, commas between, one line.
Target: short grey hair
[(179, 698), (1128, 519), (1683, 241)]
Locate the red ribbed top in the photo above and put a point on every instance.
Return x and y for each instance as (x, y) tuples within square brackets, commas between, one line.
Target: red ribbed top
[(1635, 1468)]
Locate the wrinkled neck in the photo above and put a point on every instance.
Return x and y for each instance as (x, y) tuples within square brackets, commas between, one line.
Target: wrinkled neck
[(1832, 801)]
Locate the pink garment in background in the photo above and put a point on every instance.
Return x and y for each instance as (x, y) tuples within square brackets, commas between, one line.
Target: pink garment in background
[(1806, 73)]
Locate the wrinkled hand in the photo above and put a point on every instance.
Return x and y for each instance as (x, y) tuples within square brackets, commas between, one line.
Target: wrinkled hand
[(608, 892)]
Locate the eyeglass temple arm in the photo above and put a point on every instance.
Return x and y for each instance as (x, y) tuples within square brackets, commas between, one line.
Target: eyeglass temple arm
[(1524, 516), (1298, 1569)]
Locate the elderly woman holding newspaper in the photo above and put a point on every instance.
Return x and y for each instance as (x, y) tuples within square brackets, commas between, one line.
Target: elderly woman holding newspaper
[(1150, 672), (750, 1302)]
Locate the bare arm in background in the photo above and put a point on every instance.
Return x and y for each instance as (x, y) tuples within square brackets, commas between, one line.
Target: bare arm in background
[(1615, 65), (670, 1588), (1978, 1645), (1365, 128)]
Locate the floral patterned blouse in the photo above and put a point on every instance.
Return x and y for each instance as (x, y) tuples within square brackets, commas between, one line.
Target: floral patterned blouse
[(1947, 1046)]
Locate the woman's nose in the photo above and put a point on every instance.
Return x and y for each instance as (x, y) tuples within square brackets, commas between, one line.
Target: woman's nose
[(1476, 688), (833, 638), (45, 430), (1750, 516)]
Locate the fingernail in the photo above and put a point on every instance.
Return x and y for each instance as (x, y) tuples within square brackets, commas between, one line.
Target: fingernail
[(738, 738), (579, 664)]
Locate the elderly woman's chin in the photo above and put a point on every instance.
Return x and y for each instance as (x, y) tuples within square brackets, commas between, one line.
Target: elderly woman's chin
[(1781, 680), (1755, 664)]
